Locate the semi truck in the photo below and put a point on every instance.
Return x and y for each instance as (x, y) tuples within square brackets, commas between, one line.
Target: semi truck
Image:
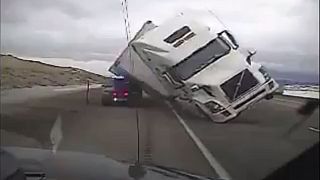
[(195, 64)]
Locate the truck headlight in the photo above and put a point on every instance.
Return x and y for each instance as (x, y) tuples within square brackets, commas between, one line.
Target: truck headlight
[(271, 85), (214, 107), (195, 87), (264, 72)]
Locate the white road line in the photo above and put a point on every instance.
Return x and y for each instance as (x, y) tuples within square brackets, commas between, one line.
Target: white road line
[(56, 134), (78, 88), (314, 129), (222, 173), (70, 89)]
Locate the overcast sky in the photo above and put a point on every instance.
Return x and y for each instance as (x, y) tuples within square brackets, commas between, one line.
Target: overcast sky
[(90, 34)]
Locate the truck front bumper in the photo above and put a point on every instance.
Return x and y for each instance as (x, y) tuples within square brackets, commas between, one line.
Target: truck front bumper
[(241, 104)]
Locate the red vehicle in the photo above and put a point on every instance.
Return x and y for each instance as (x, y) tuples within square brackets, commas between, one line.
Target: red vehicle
[(120, 89), (120, 92)]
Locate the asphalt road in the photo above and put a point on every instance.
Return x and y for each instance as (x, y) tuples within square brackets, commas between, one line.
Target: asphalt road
[(251, 146), (261, 139), (97, 129)]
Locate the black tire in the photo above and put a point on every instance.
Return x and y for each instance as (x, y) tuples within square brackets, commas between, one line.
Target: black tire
[(269, 96)]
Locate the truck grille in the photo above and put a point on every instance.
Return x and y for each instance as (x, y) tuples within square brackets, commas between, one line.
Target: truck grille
[(230, 87)]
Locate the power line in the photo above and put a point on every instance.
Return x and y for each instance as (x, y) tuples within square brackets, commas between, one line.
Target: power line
[(124, 4), (125, 18), (125, 12), (128, 22), (219, 20)]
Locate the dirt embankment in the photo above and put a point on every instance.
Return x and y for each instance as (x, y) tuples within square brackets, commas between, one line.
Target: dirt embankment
[(19, 73)]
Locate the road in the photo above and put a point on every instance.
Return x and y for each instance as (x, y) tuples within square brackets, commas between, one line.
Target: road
[(102, 130), (261, 139), (251, 146)]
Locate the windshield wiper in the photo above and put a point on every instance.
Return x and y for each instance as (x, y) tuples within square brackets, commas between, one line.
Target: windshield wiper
[(167, 170)]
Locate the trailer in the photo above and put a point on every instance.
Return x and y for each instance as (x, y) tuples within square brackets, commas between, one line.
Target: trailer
[(130, 65)]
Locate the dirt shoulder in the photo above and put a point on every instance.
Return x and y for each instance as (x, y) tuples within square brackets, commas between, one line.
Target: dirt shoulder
[(20, 73)]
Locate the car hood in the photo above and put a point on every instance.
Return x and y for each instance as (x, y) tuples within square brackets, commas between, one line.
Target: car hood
[(77, 166)]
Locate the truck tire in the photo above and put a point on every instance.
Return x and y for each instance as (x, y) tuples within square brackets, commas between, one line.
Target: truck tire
[(269, 96)]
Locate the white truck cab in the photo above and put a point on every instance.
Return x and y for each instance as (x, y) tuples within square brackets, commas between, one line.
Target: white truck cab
[(203, 65)]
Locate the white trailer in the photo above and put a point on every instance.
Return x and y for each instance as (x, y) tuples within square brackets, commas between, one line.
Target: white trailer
[(196, 64), (129, 64)]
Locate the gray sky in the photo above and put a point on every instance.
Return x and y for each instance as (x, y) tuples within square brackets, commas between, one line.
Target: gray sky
[(90, 33)]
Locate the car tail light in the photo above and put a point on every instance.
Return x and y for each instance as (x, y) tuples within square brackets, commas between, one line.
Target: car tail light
[(114, 94), (125, 93)]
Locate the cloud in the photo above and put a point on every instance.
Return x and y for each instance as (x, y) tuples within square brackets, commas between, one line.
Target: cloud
[(289, 61), (285, 32)]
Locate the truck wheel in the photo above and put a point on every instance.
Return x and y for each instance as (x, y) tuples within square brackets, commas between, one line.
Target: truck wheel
[(269, 96)]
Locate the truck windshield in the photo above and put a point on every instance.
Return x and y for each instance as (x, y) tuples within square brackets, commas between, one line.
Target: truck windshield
[(199, 59)]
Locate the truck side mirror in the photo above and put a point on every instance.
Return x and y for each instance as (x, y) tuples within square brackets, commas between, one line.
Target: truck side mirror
[(251, 53), (227, 36)]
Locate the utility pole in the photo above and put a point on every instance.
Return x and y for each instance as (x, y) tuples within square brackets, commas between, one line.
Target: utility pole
[(87, 92)]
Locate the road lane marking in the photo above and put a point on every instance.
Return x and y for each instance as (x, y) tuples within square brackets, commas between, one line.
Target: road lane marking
[(56, 134), (314, 129), (78, 88), (222, 173), (70, 89)]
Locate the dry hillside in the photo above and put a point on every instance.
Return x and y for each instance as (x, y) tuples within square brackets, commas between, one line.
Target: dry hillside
[(19, 73)]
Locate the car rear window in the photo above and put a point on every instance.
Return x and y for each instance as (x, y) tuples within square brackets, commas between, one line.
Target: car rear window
[(120, 84)]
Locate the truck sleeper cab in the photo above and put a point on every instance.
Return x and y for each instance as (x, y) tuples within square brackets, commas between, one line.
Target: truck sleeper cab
[(205, 65)]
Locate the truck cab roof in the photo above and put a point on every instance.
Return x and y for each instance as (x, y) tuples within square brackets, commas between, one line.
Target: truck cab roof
[(175, 39)]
